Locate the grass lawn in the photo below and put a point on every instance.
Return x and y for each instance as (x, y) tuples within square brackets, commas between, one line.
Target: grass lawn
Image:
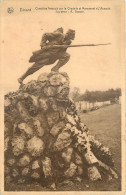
[(105, 125)]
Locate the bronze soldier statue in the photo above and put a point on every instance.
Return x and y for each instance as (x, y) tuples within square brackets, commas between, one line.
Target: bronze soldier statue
[(49, 54)]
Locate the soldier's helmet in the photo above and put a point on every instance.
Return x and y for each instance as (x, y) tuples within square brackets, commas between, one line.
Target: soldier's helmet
[(59, 29), (71, 33)]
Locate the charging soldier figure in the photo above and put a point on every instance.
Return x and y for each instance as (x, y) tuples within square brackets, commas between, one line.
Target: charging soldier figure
[(49, 53)]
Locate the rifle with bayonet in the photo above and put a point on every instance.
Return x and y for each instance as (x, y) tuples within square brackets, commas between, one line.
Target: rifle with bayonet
[(48, 47), (66, 46)]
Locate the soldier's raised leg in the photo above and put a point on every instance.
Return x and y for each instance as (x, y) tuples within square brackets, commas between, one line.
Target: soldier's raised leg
[(36, 66), (62, 61)]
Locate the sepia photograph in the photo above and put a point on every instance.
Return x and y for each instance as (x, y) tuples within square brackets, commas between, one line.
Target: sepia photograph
[(62, 97)]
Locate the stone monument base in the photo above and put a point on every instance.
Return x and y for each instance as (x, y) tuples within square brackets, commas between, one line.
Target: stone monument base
[(45, 140)]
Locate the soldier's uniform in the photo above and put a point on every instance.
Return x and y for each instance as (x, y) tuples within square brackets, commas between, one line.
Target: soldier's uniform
[(49, 56)]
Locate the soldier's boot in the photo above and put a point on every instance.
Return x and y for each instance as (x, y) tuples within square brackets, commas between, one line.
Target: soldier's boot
[(62, 61)]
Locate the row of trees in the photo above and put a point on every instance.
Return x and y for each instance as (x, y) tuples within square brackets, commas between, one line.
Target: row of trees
[(93, 96)]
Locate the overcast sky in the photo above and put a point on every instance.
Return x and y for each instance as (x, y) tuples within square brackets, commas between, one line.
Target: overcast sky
[(92, 68)]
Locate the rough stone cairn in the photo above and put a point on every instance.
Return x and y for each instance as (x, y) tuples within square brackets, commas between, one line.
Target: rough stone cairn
[(45, 141)]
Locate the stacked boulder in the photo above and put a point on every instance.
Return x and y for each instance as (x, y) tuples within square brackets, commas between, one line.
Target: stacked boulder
[(45, 140)]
